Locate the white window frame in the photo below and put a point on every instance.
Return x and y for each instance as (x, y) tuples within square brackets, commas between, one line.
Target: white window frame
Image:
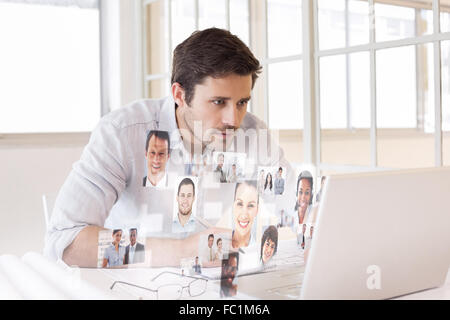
[(435, 38), (310, 57)]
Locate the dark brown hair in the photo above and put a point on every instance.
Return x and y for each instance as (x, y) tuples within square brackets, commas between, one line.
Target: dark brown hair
[(158, 134), (211, 52), (272, 234), (186, 181)]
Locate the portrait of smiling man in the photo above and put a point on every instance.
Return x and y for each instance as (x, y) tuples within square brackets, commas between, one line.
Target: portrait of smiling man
[(157, 152), (184, 220), (213, 74)]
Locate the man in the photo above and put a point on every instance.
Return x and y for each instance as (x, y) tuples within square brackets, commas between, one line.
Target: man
[(220, 173), (135, 251), (184, 221), (228, 286), (210, 253), (196, 267), (213, 74), (157, 149), (319, 194), (279, 182), (232, 177), (282, 219)]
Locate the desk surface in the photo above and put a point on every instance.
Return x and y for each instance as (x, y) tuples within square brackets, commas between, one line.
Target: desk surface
[(35, 277), (102, 279)]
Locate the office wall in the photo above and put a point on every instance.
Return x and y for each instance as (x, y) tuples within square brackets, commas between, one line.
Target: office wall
[(397, 148), (29, 168)]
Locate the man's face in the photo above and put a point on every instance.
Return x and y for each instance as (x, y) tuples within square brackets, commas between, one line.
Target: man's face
[(280, 173), (220, 106), (185, 199), (220, 161), (233, 167), (304, 229), (210, 242), (157, 156), (133, 236), (230, 271)]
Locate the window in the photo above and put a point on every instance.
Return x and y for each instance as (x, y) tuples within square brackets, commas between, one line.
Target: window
[(162, 35), (50, 66), (371, 79), (387, 109), (445, 75), (284, 64)]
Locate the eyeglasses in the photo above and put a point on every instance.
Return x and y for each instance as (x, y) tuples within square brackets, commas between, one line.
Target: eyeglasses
[(195, 287)]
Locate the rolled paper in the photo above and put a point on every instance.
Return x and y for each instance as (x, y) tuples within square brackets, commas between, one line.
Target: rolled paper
[(7, 290), (30, 284), (66, 279)]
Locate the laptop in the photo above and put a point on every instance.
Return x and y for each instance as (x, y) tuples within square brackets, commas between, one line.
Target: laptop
[(378, 235)]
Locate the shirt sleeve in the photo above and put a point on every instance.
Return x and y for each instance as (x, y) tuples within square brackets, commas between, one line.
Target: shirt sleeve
[(90, 190), (106, 254)]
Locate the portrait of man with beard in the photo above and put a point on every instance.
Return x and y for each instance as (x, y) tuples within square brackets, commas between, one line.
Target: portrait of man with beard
[(183, 220)]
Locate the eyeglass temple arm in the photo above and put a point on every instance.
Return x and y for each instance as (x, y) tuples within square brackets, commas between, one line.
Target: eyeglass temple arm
[(170, 272), (130, 284)]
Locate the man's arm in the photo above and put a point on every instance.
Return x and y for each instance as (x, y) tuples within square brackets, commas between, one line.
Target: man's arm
[(83, 251), (87, 196), (160, 252)]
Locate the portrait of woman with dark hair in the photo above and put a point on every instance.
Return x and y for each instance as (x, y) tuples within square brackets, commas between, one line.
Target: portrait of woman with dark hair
[(304, 197), (115, 253), (268, 185), (269, 244)]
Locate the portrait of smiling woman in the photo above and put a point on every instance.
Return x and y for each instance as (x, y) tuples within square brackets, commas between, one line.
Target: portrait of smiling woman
[(269, 244), (304, 198), (245, 209)]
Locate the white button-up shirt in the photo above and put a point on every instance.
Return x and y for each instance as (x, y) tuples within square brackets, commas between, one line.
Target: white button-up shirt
[(105, 187), (131, 252), (161, 184)]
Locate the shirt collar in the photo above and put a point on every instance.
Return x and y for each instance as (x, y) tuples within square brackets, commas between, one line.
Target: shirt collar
[(191, 220), (168, 122), (161, 183)]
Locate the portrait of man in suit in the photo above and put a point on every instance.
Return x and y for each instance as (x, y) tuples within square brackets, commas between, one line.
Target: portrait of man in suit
[(135, 251), (219, 171), (196, 267), (157, 152)]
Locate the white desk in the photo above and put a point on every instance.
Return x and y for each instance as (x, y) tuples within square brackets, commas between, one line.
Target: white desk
[(103, 280), (34, 277)]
